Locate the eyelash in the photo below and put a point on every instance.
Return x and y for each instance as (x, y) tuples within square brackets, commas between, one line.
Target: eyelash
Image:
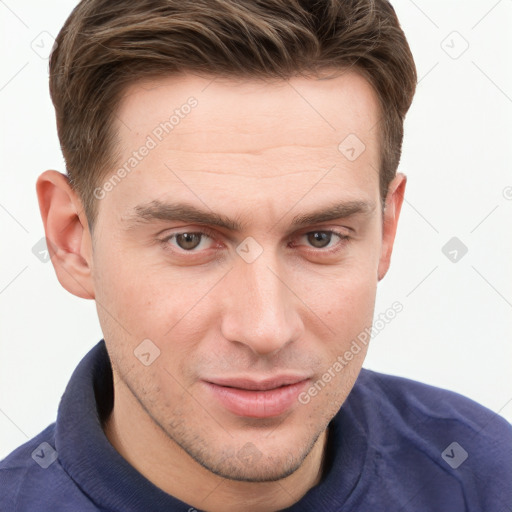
[(343, 240)]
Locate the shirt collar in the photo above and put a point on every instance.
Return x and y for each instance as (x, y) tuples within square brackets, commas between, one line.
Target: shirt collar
[(113, 484)]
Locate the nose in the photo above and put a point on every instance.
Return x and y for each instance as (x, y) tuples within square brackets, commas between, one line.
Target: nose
[(261, 310)]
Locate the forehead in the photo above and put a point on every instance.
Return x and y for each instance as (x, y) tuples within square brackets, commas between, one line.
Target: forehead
[(254, 137), (251, 109)]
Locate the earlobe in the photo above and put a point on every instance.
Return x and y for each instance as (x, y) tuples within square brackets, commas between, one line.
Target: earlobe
[(394, 201), (67, 233)]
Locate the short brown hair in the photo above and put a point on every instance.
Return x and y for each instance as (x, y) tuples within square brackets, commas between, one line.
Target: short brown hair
[(105, 45)]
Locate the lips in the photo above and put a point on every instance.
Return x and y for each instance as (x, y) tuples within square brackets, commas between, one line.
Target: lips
[(259, 385), (262, 398)]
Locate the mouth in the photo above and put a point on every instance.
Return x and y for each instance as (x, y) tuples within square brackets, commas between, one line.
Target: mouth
[(257, 399)]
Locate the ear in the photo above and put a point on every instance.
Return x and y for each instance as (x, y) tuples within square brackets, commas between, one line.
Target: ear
[(67, 233), (394, 200)]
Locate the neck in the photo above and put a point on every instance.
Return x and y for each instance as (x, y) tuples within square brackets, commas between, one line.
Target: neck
[(153, 454)]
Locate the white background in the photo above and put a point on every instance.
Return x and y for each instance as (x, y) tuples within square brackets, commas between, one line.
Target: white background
[(456, 327)]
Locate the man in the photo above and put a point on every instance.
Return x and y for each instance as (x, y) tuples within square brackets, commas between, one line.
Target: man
[(231, 204)]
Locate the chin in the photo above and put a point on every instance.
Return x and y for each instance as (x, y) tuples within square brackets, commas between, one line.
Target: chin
[(259, 461), (266, 469)]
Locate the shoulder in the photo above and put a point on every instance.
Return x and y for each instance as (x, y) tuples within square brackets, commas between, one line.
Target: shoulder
[(411, 401), (32, 478), (438, 429), (406, 397)]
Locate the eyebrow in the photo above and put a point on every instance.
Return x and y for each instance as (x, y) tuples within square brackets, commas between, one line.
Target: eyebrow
[(183, 212)]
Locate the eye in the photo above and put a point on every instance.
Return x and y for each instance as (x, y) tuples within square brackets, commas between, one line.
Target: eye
[(189, 241), (323, 239), (319, 239)]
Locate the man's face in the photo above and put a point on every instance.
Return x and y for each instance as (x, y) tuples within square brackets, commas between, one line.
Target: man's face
[(271, 292)]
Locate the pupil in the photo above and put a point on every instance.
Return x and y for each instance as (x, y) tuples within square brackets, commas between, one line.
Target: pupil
[(188, 241), (319, 239)]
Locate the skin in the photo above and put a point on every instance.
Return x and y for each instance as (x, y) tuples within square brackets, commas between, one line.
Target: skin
[(260, 153)]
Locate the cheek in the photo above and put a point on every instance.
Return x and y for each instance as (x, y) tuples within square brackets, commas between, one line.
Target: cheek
[(352, 305), (345, 303), (140, 299), (343, 288)]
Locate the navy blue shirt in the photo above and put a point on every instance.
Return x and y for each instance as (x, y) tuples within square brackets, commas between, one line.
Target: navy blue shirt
[(395, 444)]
